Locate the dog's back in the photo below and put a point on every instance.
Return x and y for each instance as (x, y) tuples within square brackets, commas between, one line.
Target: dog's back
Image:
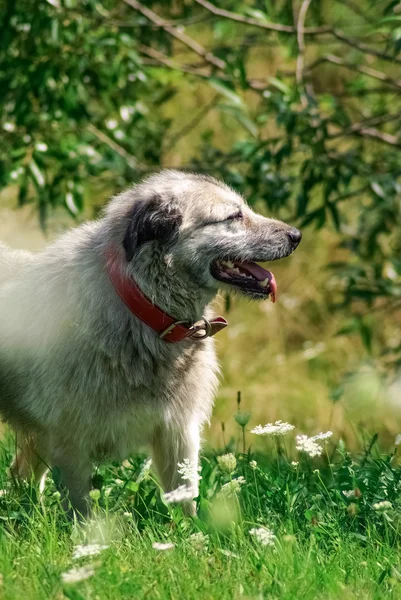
[(12, 262)]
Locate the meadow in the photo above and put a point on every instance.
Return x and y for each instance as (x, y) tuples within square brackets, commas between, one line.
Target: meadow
[(304, 518)]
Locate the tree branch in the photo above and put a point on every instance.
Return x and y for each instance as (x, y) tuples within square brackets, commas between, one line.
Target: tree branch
[(354, 43), (299, 73), (179, 35), (131, 160), (184, 131), (226, 14), (373, 121), (254, 84), (336, 60)]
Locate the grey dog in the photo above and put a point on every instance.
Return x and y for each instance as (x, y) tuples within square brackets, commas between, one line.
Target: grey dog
[(81, 376)]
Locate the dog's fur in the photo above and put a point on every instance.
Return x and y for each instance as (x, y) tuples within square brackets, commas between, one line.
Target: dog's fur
[(82, 378)]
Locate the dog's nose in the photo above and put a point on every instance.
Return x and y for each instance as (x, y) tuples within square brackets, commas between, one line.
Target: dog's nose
[(295, 236)]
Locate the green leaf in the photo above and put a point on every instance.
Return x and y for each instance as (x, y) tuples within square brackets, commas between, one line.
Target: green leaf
[(226, 91)]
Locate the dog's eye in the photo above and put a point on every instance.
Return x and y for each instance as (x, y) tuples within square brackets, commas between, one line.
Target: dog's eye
[(235, 217)]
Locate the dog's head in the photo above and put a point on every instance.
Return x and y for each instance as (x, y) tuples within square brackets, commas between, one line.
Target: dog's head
[(193, 233)]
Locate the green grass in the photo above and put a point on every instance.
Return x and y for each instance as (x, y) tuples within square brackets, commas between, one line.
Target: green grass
[(327, 545)]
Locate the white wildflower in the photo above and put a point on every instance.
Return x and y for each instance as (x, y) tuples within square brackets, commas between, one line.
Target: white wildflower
[(144, 470), (227, 462), (8, 127), (162, 546), (189, 469), (119, 134), (108, 491), (263, 535), (323, 436), (382, 506), (349, 493), (274, 429), (41, 147), (397, 440), (253, 464), (182, 494), (126, 112), (199, 541), (75, 575), (16, 173), (111, 123), (88, 550), (294, 463), (233, 487), (308, 445)]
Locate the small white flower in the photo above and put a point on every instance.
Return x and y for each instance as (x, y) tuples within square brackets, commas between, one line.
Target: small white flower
[(119, 134), (233, 487), (253, 464), (162, 546), (276, 429), (182, 494), (199, 541), (189, 470), (94, 495), (263, 535), (88, 550), (144, 472), (9, 127), (294, 463), (308, 446), (349, 493), (323, 436), (75, 575), (111, 124), (382, 506), (397, 441), (126, 112), (41, 147), (227, 462), (16, 173), (26, 138)]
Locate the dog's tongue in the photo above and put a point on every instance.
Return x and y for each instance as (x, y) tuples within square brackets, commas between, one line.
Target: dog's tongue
[(256, 270), (261, 274)]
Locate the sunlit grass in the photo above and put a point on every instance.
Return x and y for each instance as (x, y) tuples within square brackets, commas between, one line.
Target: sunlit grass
[(308, 528)]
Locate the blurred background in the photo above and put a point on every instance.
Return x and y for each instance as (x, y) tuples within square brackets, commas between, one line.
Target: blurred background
[(296, 104)]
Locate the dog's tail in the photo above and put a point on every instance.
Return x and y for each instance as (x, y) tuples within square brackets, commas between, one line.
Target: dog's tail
[(12, 262)]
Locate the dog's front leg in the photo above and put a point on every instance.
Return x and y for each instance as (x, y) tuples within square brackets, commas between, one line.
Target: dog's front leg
[(172, 445), (73, 479)]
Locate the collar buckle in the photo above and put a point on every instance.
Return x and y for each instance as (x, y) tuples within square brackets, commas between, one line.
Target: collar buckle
[(201, 330)]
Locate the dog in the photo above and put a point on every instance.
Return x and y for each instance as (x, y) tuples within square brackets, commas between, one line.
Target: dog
[(106, 336)]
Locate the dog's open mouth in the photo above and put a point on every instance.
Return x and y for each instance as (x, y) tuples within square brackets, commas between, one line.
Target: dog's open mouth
[(248, 276)]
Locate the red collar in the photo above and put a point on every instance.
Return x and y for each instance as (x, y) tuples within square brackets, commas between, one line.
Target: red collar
[(168, 329)]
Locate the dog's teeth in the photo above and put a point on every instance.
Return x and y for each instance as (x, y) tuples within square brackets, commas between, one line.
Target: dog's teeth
[(229, 264), (265, 282)]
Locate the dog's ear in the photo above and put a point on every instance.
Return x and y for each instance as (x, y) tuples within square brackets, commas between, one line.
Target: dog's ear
[(150, 220)]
